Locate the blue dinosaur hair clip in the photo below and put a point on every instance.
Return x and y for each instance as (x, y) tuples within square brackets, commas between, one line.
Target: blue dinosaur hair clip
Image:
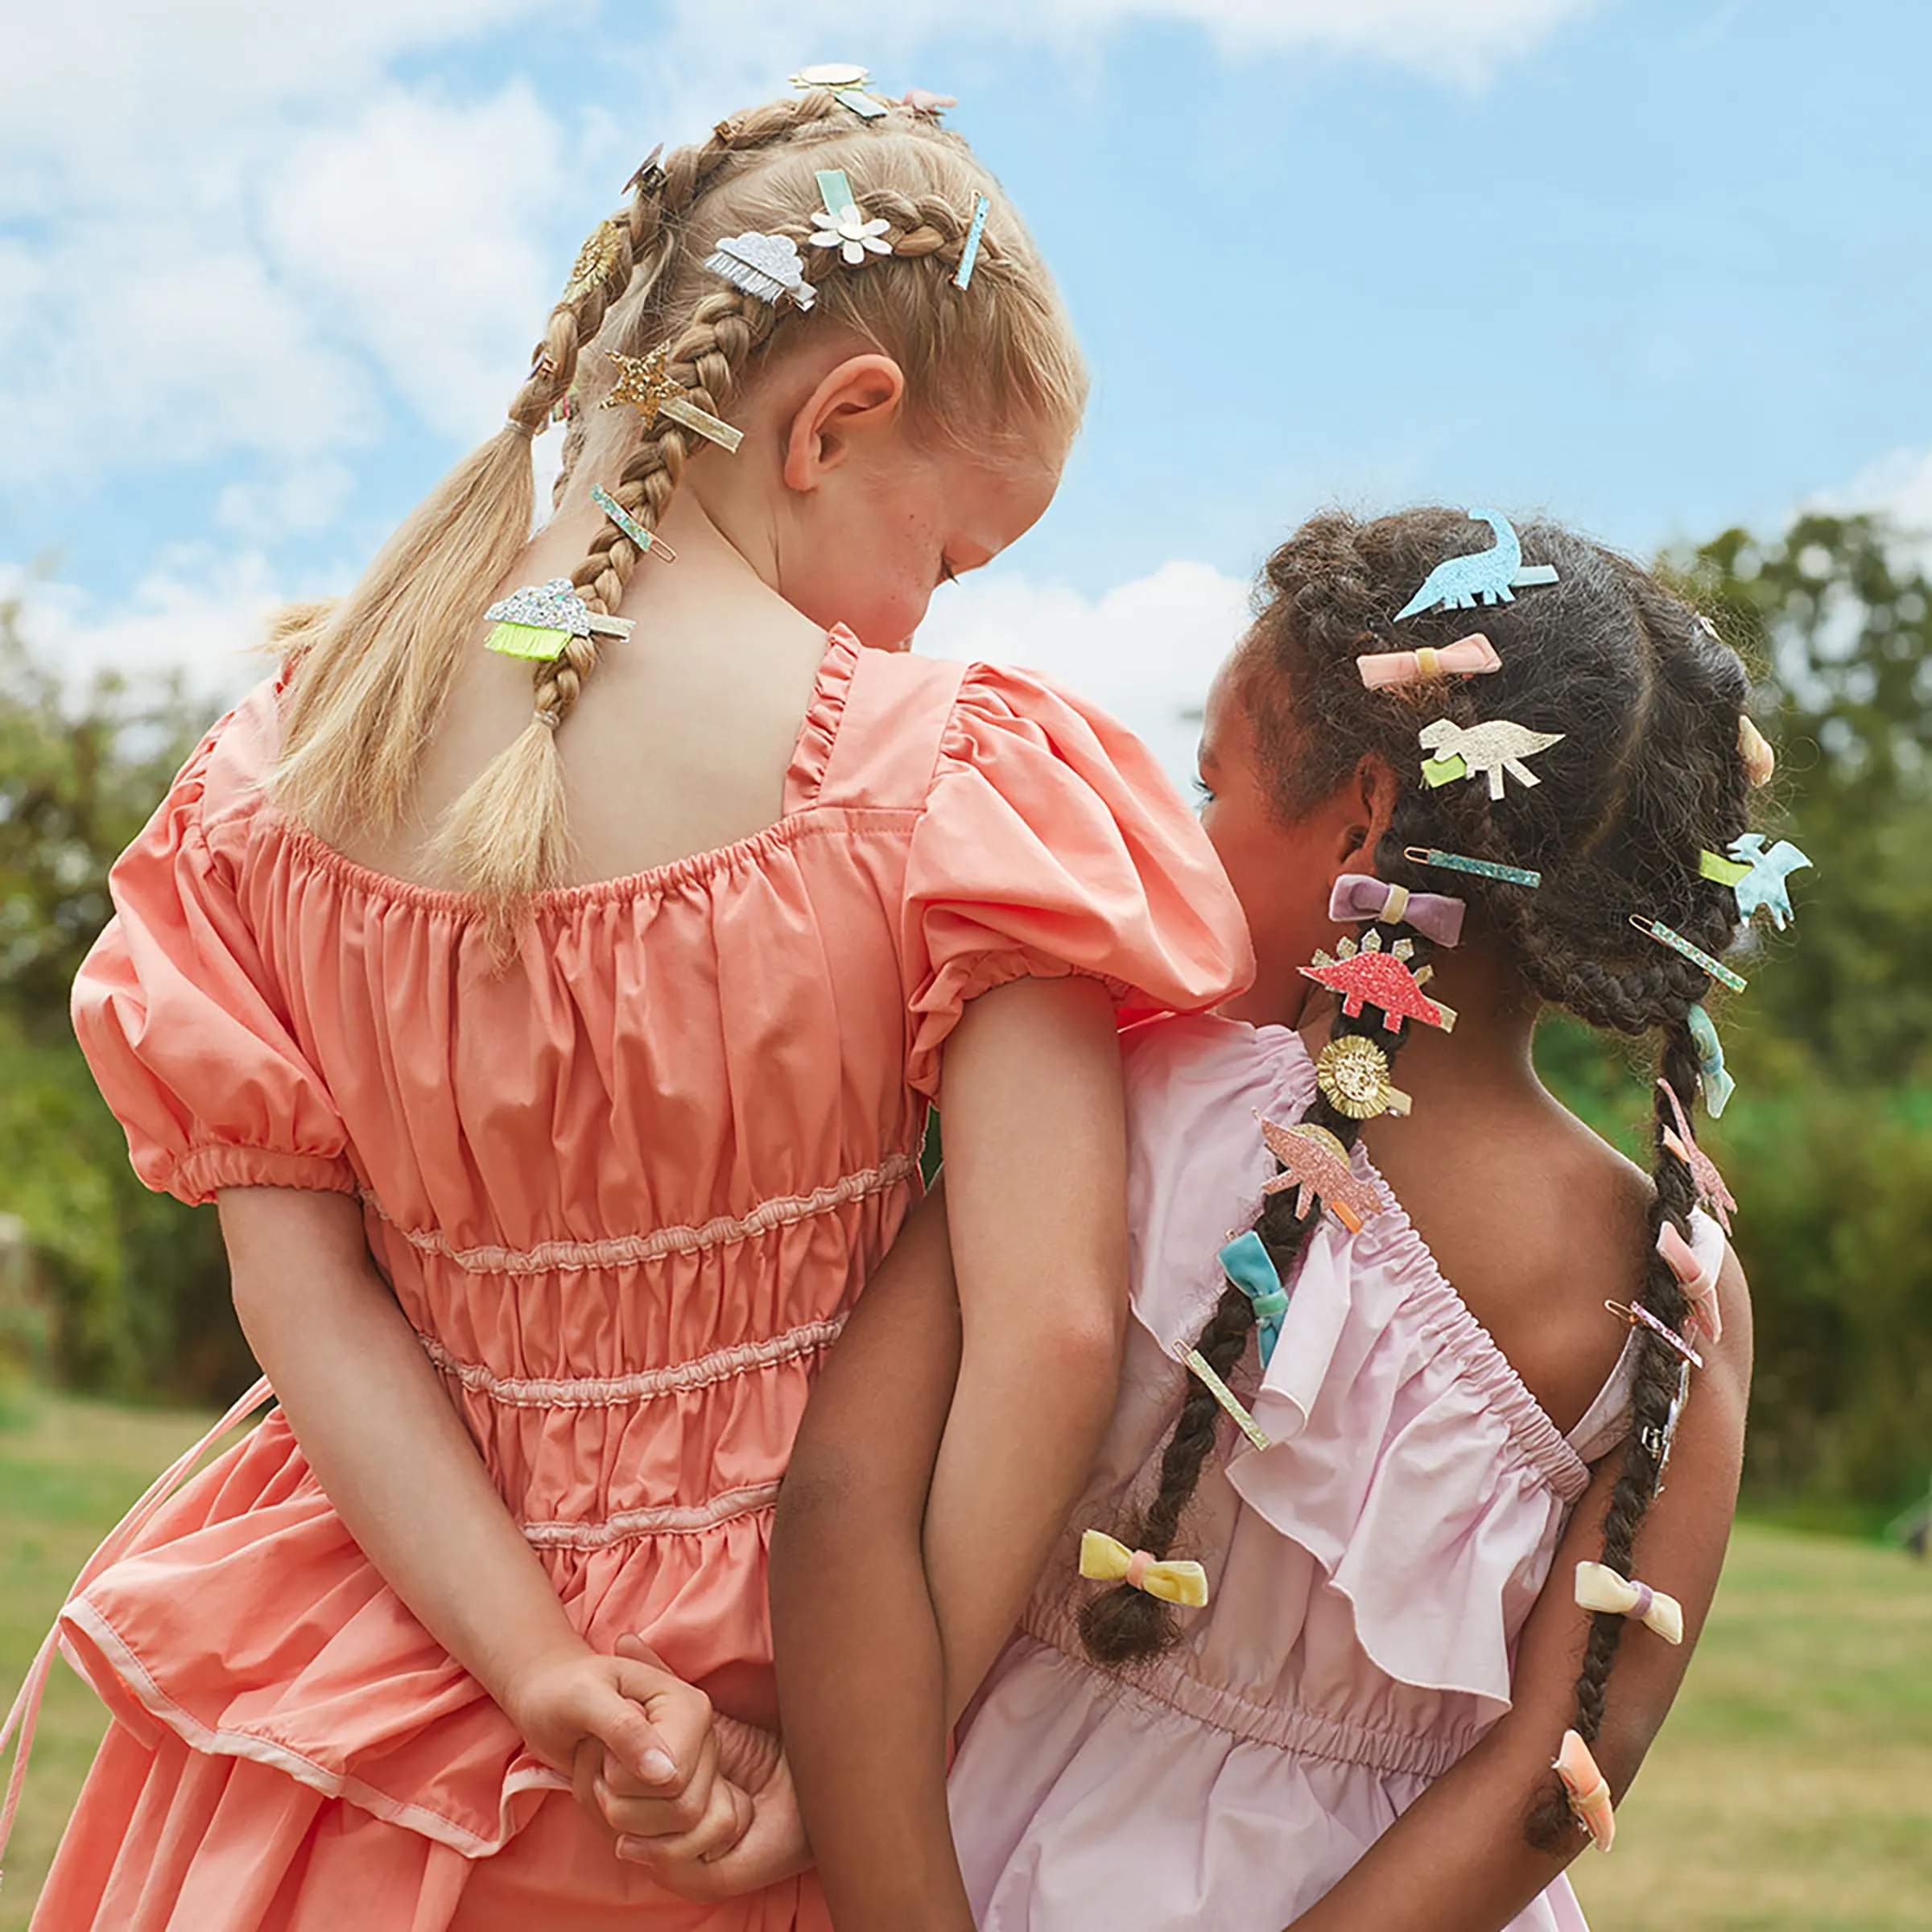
[(1483, 576)]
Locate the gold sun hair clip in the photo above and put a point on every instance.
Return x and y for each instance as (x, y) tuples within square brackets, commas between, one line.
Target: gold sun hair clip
[(1353, 1073), (646, 384), (597, 260)]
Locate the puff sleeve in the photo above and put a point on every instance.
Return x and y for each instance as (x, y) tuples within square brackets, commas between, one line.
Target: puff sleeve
[(184, 1027), (1051, 843)]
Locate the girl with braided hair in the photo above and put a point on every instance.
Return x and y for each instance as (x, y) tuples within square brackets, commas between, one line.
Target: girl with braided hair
[(1352, 1719), (556, 1025)]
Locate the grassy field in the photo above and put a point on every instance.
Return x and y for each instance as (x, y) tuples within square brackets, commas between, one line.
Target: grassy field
[(1791, 1793)]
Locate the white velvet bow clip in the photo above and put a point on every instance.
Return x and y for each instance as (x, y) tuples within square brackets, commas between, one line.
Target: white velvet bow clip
[(1600, 1588)]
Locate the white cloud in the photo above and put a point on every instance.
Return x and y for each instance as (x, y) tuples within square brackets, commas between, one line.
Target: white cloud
[(94, 88), (1898, 486), (415, 229), (205, 621), (1145, 651), (1462, 41)]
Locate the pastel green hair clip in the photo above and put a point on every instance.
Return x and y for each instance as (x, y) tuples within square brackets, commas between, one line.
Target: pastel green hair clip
[(1757, 875)]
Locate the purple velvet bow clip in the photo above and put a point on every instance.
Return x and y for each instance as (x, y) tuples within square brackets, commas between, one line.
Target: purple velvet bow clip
[(1432, 913)]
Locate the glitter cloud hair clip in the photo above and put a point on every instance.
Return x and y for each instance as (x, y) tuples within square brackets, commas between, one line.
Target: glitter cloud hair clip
[(768, 266)]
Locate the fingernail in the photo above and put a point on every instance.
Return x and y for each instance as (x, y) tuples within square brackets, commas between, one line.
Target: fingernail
[(659, 1766), (634, 1851)]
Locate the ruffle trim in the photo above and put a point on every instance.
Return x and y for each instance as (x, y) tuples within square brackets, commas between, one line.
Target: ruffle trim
[(811, 756), (96, 1649), (202, 1172)]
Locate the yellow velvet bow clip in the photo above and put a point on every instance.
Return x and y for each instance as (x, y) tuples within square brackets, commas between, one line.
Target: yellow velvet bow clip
[(1103, 1560)]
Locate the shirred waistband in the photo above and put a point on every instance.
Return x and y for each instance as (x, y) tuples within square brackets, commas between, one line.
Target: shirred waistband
[(602, 1391), (628, 1250), (1302, 1733)]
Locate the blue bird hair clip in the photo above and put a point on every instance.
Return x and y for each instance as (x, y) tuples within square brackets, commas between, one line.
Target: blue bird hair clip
[(1757, 876), (1483, 576)]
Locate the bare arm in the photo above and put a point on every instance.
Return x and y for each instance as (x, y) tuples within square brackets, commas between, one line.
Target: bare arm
[(395, 1460), (1456, 1860), (1035, 1146)]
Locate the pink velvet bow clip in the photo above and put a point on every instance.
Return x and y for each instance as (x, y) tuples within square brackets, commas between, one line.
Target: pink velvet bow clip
[(1433, 914), (1465, 658), (1588, 1789), (1697, 1277)]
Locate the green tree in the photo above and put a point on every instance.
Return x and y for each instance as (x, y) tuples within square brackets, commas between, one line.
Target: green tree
[(135, 1286)]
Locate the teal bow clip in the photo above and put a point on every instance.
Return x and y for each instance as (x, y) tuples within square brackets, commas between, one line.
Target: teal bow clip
[(1249, 1268), (1718, 1084)]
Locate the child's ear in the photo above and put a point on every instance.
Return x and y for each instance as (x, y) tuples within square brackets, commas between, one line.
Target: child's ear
[(855, 401), (1372, 790)]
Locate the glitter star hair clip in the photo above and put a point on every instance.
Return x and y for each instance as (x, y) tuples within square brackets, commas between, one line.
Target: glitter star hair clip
[(1485, 576), (646, 384)]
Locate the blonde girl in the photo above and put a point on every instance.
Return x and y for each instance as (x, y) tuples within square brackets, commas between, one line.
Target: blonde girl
[(556, 1037)]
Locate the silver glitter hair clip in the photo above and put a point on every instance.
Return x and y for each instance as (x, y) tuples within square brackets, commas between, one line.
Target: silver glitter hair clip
[(768, 266)]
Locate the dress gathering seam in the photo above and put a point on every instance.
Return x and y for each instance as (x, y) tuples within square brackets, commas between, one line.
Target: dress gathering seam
[(628, 1250)]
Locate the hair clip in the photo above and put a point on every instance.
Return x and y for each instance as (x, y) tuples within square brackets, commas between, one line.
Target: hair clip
[(769, 267), (1466, 658), (644, 539), (844, 82), (597, 260), (1716, 1080), (1246, 1262), (1712, 1193), (1658, 1438), (922, 100), (1754, 748), (1757, 876), (1600, 1588), (1588, 1789), (646, 383), (1655, 929), (1483, 576), (1353, 1073), (969, 252), (841, 222), (1198, 1364), (650, 178), (1495, 746), (1638, 1316), (1482, 869), (1314, 1162), (1103, 1560), (1698, 1280), (1365, 974), (1433, 915), (537, 622)]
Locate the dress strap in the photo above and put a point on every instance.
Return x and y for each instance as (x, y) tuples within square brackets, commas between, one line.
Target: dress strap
[(25, 1715), (896, 710)]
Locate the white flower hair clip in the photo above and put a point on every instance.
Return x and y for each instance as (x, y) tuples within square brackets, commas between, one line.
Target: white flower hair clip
[(842, 224)]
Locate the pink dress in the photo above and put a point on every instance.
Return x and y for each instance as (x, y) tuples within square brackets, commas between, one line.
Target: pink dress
[(626, 1191), (1369, 1573)]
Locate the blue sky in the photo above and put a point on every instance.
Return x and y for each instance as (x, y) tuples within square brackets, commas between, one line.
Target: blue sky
[(1656, 266)]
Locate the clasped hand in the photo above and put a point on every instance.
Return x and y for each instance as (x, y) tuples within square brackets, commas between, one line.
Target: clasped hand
[(703, 1802)]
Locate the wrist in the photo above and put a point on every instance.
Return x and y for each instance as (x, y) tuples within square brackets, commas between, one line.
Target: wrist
[(516, 1678)]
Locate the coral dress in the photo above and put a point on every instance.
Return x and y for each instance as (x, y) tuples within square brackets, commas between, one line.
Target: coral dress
[(1369, 1573), (626, 1192)]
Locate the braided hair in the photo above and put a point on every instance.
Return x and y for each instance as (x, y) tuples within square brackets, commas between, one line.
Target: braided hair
[(1648, 773), (995, 363)]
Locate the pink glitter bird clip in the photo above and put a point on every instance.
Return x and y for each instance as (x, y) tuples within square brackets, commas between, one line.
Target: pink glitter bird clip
[(1713, 1195), (1314, 1162)]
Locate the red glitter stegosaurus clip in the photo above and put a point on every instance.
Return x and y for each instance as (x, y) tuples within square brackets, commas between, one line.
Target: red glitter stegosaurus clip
[(1712, 1192), (1314, 1162), (1365, 974)]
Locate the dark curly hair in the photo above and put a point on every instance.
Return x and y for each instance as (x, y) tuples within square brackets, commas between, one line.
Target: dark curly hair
[(1648, 773)]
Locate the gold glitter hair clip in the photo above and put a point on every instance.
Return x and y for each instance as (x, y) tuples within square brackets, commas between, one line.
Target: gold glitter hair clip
[(646, 384), (1353, 1073)]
